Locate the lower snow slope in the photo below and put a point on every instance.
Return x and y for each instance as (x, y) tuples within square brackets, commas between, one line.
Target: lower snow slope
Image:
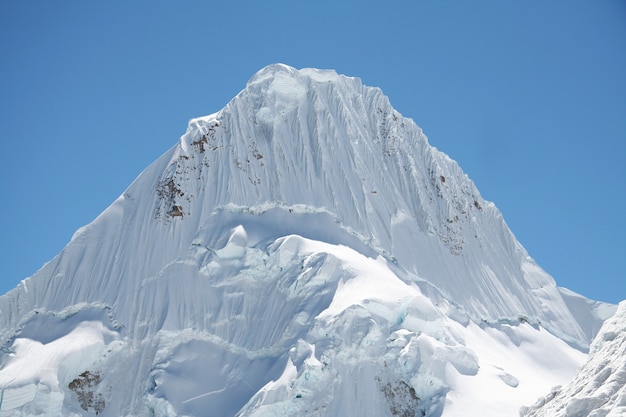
[(599, 388), (282, 326)]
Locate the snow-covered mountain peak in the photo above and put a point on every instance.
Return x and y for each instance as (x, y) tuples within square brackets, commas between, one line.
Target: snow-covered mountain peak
[(315, 139), (317, 143), (280, 80), (270, 72), (285, 80), (316, 74), (293, 131), (302, 250)]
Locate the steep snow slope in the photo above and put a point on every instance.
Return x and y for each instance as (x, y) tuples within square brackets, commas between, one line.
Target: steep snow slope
[(306, 237), (599, 388), (326, 142), (289, 327)]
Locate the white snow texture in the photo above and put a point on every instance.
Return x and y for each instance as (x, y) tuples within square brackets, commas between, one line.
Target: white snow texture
[(599, 388), (303, 251)]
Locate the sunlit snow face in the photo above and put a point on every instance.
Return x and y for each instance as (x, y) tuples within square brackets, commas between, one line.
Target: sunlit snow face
[(283, 94)]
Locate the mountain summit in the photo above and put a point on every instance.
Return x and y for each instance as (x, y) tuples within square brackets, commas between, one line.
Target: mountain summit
[(303, 251)]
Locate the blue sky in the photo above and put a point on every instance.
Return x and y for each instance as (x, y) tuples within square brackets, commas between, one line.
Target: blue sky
[(528, 97)]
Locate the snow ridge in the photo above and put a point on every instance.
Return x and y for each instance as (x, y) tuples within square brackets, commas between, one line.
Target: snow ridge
[(303, 250)]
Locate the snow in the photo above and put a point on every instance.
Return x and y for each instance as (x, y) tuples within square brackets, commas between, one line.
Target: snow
[(518, 363), (599, 387), (33, 360), (302, 250), (48, 354)]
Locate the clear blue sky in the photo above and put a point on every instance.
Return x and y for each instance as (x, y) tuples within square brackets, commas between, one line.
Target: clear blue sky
[(529, 97)]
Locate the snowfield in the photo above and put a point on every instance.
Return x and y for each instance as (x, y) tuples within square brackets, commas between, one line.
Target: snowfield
[(599, 388), (303, 251)]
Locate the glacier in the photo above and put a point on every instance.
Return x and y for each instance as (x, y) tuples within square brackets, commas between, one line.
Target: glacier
[(304, 250)]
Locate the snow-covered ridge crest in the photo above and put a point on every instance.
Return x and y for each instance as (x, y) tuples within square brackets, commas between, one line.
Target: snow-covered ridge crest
[(297, 251)]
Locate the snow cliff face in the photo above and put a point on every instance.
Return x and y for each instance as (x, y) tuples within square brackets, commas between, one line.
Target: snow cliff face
[(599, 388), (302, 250)]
